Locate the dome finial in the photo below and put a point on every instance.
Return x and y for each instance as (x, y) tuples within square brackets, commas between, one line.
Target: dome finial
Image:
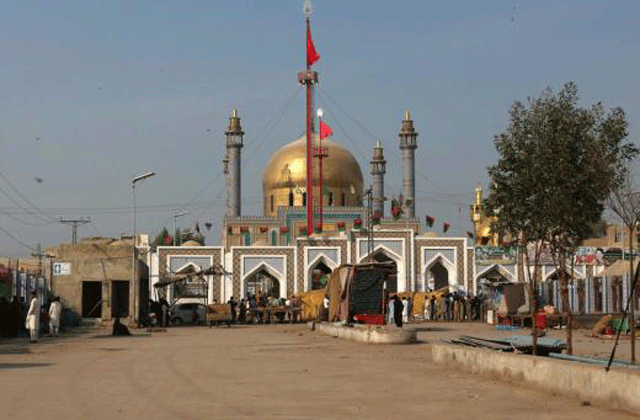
[(234, 113), (378, 144), (407, 115)]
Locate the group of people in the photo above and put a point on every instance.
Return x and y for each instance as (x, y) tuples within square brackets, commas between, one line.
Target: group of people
[(400, 310), (252, 308), (16, 317), (453, 307), (445, 307)]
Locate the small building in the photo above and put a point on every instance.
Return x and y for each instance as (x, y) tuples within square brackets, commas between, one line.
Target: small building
[(93, 279)]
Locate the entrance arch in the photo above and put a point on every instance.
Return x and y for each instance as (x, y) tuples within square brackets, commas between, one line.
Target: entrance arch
[(318, 274), (391, 284), (439, 273), (263, 280)]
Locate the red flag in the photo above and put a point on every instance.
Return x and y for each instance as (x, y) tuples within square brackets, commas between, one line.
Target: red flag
[(445, 227), (430, 221), (312, 55), (325, 130)]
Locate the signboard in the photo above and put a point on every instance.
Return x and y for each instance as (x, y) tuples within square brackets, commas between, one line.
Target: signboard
[(62, 269), (589, 255), (490, 255)]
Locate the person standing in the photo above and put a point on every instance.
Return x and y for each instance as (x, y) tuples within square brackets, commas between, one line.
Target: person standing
[(434, 308), (397, 311), (232, 304), (405, 310), (164, 306), (33, 317), (55, 313), (427, 309)]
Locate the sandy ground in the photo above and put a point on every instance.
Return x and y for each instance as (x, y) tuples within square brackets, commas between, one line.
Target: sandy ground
[(281, 371)]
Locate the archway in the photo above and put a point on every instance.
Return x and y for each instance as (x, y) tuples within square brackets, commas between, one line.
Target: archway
[(440, 275), (319, 274), (391, 285), (495, 275), (262, 282)]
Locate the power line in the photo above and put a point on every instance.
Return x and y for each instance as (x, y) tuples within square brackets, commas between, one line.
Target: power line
[(16, 239), (27, 211), (22, 196)]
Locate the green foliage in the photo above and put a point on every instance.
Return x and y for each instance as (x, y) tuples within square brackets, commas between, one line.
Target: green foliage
[(160, 239), (558, 163)]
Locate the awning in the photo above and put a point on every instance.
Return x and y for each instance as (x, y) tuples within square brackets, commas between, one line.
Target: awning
[(618, 269)]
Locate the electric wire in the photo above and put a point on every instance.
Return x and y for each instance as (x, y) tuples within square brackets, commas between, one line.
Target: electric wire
[(23, 197), (16, 239)]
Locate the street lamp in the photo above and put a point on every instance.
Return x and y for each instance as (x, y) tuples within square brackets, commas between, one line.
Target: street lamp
[(134, 267), (175, 228)]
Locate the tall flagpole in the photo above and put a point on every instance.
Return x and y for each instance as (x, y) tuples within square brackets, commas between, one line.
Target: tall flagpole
[(309, 78), (309, 139), (320, 152)]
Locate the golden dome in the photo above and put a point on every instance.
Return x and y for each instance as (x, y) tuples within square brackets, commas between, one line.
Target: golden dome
[(285, 177)]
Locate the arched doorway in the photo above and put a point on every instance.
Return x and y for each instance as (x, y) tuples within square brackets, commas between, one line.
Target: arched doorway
[(555, 278), (391, 285), (319, 275), (262, 282), (440, 275)]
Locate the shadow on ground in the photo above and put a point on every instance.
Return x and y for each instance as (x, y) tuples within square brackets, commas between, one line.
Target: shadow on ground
[(23, 365)]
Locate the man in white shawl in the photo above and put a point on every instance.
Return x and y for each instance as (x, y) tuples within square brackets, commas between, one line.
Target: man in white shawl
[(33, 317), (55, 311)]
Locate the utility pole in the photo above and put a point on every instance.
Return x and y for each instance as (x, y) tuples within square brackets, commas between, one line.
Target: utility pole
[(39, 255), (74, 223), (369, 195)]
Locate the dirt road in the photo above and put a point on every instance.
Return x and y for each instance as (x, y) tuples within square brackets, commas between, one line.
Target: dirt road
[(266, 372)]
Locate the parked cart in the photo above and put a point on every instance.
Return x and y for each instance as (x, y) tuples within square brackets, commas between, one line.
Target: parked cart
[(219, 313)]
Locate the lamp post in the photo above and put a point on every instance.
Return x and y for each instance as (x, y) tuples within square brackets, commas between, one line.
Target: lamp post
[(134, 265), (175, 228)]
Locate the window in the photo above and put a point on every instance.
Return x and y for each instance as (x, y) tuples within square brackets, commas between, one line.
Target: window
[(331, 199), (304, 199), (343, 200), (274, 238), (291, 199), (271, 203)]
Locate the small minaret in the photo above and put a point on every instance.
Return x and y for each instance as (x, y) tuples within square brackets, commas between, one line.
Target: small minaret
[(408, 146), (232, 165), (378, 169)]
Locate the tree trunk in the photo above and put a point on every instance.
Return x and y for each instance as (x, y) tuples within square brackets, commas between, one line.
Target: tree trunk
[(534, 324), (566, 303), (632, 316)]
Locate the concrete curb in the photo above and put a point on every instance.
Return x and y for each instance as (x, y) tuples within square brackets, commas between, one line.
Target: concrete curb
[(617, 388), (367, 334)]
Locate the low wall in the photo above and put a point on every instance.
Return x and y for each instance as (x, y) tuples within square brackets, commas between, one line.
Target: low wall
[(618, 388), (368, 334)]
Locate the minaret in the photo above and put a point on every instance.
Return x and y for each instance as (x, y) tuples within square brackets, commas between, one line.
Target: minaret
[(408, 146), (232, 165), (378, 169)]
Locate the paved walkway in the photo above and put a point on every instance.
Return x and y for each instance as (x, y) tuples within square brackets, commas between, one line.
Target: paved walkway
[(264, 371)]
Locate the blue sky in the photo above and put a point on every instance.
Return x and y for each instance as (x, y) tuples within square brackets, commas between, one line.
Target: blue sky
[(93, 93)]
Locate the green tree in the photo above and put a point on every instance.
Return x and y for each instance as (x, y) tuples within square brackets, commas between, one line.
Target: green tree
[(161, 239), (625, 203), (558, 163)]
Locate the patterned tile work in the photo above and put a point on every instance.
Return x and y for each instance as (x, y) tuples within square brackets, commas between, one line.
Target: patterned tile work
[(165, 252), (458, 243), (409, 276), (289, 252), (302, 243)]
